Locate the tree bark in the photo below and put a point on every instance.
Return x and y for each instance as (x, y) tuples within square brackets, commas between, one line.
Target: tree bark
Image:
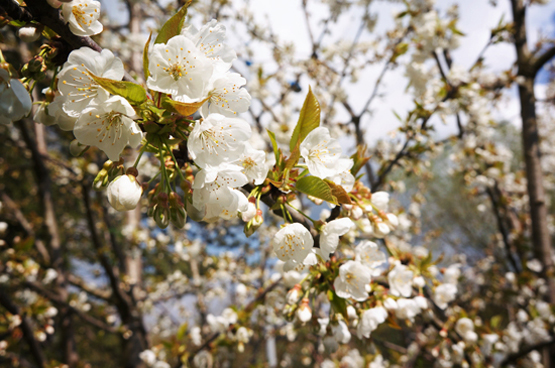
[(528, 68), (541, 239)]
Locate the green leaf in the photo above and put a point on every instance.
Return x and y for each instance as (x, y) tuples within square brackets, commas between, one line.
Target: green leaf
[(496, 321), (184, 109), (145, 57), (173, 26), (359, 159), (400, 49), (309, 119), (182, 331), (17, 23), (316, 187), (274, 145), (293, 159), (132, 92)]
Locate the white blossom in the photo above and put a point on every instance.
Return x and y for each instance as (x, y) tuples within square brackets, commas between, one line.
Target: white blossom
[(82, 16), (15, 102), (370, 320), (148, 356), (222, 322), (344, 176), (109, 127), (352, 280), (215, 194), (465, 328), (329, 237), (444, 294), (451, 274), (341, 332), (249, 214), (210, 41), (292, 244), (254, 164), (407, 309), (321, 153), (218, 139), (369, 254), (390, 304), (59, 116), (179, 69), (77, 85), (488, 342), (226, 96), (400, 280)]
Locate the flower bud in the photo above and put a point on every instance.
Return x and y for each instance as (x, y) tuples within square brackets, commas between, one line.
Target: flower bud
[(29, 34), (392, 221), (356, 213), (380, 229), (161, 216), (249, 213), (380, 200), (419, 281), (293, 294), (304, 313), (124, 192), (178, 215)]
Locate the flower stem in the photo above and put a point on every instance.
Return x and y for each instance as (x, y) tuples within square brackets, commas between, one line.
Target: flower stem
[(176, 164), (301, 212), (143, 148), (165, 175)]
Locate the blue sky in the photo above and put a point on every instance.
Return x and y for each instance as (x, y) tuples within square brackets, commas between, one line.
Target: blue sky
[(477, 17)]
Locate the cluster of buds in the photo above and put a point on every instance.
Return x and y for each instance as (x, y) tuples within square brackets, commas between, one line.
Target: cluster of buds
[(36, 67), (166, 208), (253, 217), (370, 211)]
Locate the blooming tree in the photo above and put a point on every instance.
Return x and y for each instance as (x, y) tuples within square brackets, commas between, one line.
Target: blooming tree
[(188, 210)]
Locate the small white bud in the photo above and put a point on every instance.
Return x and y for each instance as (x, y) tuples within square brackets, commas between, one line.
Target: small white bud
[(419, 282), (249, 213), (304, 313), (124, 192), (29, 34)]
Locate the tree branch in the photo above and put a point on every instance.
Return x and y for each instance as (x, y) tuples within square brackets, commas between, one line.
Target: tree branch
[(54, 298), (544, 58), (513, 357)]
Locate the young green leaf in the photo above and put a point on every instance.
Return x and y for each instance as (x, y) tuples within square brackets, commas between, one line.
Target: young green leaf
[(339, 193), (316, 187), (174, 25), (145, 57), (132, 92), (274, 144), (309, 119)]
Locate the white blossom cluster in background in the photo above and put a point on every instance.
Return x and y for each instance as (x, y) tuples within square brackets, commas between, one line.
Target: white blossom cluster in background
[(332, 267)]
